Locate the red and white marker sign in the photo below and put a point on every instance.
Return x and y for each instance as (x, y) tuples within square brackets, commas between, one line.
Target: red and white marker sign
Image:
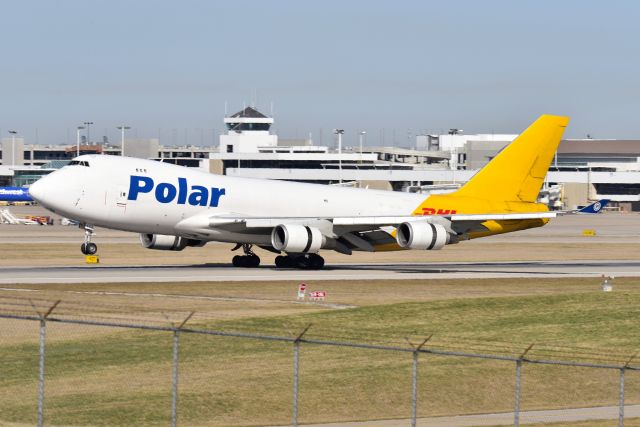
[(317, 295)]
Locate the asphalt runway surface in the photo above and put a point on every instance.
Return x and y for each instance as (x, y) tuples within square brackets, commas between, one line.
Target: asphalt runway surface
[(408, 271)]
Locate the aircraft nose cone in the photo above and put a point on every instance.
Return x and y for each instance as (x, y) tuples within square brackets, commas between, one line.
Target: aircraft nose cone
[(36, 190)]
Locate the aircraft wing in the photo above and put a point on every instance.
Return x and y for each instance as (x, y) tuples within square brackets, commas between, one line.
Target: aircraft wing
[(340, 225), (335, 227)]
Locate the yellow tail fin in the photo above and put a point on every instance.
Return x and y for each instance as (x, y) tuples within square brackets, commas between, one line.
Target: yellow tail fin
[(516, 174)]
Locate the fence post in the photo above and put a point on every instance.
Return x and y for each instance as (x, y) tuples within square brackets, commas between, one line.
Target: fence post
[(174, 378), (414, 389), (41, 358), (174, 365), (296, 368), (41, 355), (516, 408), (414, 380), (621, 401)]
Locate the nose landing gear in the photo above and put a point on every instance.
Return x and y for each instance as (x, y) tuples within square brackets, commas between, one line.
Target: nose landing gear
[(249, 259), (88, 247)]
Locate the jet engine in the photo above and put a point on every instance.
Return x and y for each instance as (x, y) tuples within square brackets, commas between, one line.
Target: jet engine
[(167, 243), (297, 238), (422, 235)]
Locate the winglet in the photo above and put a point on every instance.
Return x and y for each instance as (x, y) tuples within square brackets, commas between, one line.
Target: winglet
[(594, 207)]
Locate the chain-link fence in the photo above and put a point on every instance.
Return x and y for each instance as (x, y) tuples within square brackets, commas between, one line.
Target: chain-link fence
[(62, 368)]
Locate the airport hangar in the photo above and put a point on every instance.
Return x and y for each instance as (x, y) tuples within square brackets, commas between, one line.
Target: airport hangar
[(583, 169)]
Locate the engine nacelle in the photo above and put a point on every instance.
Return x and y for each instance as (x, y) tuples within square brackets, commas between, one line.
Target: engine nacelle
[(422, 235), (297, 238), (167, 243)]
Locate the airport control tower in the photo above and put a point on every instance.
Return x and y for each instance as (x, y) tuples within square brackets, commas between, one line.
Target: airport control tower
[(247, 130)]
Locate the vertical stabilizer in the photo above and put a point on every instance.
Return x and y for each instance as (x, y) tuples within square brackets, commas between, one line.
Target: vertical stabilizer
[(516, 174)]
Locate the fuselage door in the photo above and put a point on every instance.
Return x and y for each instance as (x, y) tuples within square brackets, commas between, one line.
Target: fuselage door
[(121, 199)]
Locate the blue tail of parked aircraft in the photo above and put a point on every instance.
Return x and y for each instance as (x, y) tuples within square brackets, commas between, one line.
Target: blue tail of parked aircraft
[(15, 194), (595, 207)]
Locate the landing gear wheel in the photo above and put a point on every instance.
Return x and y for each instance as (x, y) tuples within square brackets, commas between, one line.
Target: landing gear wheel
[(283, 261), (317, 262), (301, 261), (250, 261), (89, 248), (253, 260)]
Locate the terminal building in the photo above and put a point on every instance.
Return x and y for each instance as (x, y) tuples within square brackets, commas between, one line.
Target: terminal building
[(248, 149), (583, 170)]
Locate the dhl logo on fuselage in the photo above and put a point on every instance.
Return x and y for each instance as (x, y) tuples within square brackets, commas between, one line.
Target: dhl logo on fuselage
[(434, 211), (166, 192)]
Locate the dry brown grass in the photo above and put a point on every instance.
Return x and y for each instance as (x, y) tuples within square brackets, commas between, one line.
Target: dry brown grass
[(66, 254), (216, 301)]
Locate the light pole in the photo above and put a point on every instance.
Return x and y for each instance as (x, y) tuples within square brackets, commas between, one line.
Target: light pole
[(88, 125), (13, 147), (78, 129), (122, 129), (339, 132), (454, 151), (362, 134), (453, 132)]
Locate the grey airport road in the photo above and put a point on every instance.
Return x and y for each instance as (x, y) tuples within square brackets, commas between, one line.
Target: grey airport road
[(224, 272), (526, 417)]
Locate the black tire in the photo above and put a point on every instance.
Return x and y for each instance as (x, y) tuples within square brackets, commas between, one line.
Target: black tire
[(92, 248), (89, 248), (317, 262), (253, 261), (303, 262), (282, 261), (237, 261)]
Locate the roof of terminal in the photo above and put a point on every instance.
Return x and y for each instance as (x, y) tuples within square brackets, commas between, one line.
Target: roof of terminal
[(598, 146)]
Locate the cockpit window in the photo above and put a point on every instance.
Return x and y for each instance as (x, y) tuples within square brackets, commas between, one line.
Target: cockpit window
[(79, 163)]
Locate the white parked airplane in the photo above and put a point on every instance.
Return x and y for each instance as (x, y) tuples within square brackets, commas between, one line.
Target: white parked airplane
[(173, 207)]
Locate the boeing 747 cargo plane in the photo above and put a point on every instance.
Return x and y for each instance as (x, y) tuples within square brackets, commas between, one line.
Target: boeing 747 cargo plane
[(173, 207)]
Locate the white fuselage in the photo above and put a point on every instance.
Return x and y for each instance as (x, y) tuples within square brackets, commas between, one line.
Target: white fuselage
[(145, 196)]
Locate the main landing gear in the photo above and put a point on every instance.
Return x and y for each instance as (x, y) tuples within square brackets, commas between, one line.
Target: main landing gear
[(301, 261), (249, 259), (88, 247)]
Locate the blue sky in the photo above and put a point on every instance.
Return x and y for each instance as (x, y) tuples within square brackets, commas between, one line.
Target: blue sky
[(167, 68)]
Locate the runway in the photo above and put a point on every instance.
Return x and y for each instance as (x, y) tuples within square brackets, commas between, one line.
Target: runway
[(405, 271)]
